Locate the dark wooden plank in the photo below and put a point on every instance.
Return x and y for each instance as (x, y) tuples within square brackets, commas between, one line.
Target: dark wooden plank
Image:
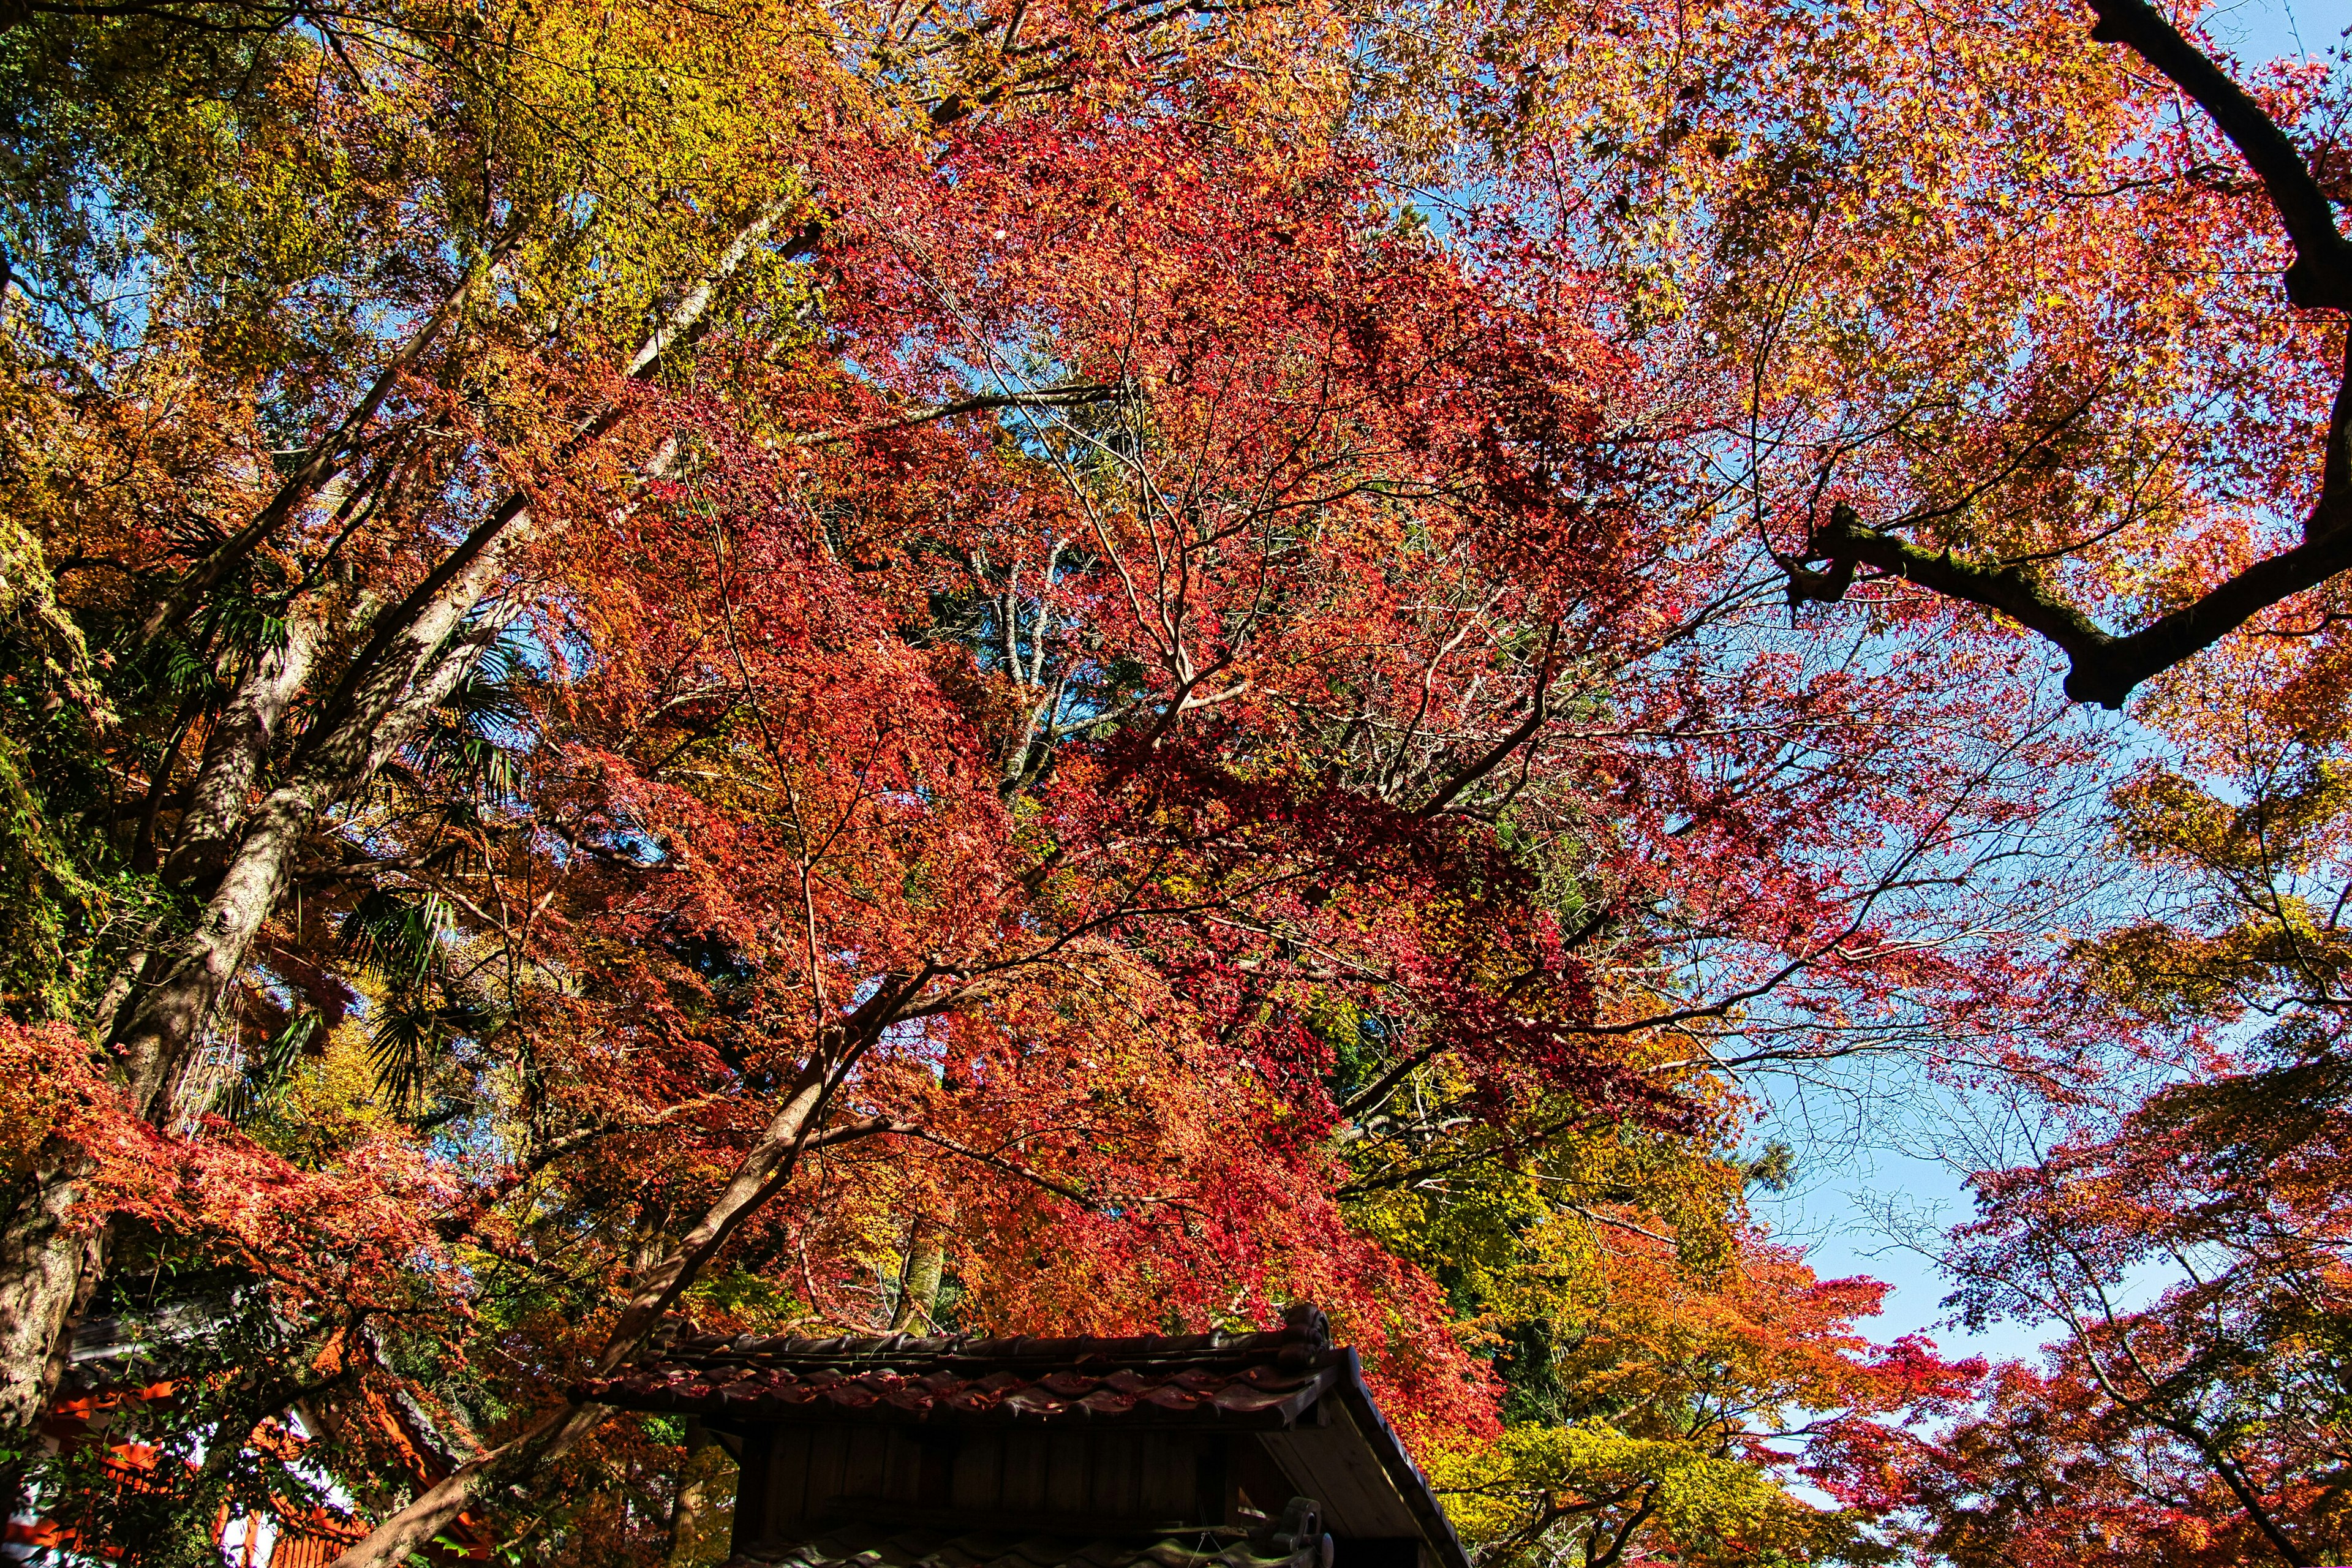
[(1118, 1477), (866, 1463), (787, 1490), (1209, 1479), (1069, 1460), (1025, 1459), (753, 1493), (978, 1473), (1252, 1478), (1168, 1477), (1337, 1467), (935, 1481), (828, 1458), (902, 1466)]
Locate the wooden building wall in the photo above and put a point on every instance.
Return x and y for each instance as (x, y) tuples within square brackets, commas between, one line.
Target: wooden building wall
[(1058, 1479), (799, 1481)]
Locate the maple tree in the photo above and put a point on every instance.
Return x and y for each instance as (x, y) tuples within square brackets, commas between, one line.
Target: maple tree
[(1669, 1373), (2185, 1243), (2005, 310), (826, 666), (2288, 206), (2015, 308), (2223, 1389)]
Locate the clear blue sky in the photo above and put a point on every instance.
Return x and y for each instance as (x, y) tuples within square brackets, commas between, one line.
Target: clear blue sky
[(2270, 29), (1839, 1215)]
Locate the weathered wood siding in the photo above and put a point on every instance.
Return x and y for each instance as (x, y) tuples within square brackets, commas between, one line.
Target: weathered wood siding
[(798, 1479)]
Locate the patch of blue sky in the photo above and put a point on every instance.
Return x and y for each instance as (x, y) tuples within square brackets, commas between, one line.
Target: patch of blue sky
[(2257, 31), (1887, 1142)]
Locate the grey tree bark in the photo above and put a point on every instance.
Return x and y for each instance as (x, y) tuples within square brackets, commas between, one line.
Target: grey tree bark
[(238, 749), (424, 660), (50, 1255), (48, 1260)]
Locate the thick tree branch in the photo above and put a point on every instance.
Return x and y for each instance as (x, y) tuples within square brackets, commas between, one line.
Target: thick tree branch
[(416, 653), (2321, 277), (238, 749), (1036, 1178), (2106, 667), (1377, 1092), (1539, 710), (761, 1174)]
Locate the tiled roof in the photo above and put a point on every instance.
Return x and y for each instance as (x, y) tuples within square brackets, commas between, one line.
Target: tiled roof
[(879, 1546), (1303, 1397), (1254, 1379)]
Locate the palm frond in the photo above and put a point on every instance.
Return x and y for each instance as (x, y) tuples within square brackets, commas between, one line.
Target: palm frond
[(396, 937), (269, 1068)]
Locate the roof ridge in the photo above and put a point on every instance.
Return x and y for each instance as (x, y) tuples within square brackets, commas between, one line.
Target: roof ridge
[(1304, 1325)]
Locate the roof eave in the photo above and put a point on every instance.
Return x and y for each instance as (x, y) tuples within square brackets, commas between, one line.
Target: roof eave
[(1402, 1473)]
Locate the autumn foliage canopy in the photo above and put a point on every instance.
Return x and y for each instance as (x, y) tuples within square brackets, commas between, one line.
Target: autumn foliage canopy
[(1043, 668)]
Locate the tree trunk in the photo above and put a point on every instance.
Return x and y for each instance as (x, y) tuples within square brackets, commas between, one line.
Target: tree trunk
[(419, 666), (918, 1277), (237, 750), (693, 1502), (44, 1261), (49, 1265), (43, 1258), (419, 651)]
